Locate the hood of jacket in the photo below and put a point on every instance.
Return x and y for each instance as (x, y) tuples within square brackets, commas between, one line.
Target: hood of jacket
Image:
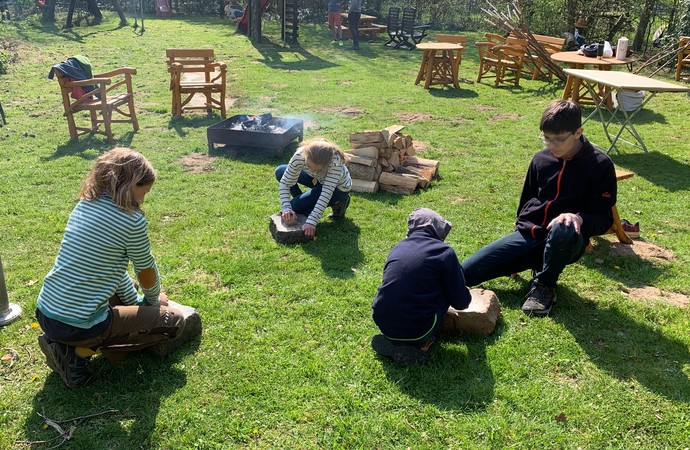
[(428, 221)]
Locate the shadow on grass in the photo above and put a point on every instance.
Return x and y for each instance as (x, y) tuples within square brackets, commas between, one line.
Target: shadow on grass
[(293, 57), (337, 246), (628, 268), (134, 387), (451, 379), (193, 121), (626, 348), (90, 146), (656, 168), (449, 92)]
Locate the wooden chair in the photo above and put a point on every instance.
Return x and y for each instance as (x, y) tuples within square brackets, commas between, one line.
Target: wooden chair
[(683, 55), (195, 71), (393, 27), (616, 227), (454, 39), (498, 60), (410, 34), (112, 91)]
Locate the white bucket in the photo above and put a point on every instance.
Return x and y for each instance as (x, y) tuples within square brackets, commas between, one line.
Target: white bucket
[(630, 100)]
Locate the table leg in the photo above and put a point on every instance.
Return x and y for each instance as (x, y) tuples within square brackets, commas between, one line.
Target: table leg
[(618, 227), (430, 68), (455, 66), (422, 67)]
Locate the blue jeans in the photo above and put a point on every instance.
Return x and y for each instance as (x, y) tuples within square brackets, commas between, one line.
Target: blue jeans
[(515, 252), (304, 202)]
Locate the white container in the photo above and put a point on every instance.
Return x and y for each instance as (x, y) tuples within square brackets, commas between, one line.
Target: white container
[(622, 48), (630, 100)]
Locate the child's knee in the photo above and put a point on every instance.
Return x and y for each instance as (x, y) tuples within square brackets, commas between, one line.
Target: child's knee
[(561, 234), (280, 170)]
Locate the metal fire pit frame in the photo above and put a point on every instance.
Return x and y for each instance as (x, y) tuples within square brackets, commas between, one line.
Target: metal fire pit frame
[(222, 134)]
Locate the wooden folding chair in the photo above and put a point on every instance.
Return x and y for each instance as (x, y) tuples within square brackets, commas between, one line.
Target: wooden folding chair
[(106, 98), (194, 71)]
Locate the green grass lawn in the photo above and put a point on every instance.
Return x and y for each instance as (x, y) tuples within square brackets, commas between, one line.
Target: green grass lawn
[(284, 360)]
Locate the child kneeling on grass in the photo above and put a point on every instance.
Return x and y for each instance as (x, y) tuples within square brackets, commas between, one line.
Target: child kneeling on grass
[(319, 165), (422, 277), (88, 300)]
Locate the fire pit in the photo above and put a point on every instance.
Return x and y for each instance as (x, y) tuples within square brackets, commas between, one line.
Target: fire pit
[(260, 132)]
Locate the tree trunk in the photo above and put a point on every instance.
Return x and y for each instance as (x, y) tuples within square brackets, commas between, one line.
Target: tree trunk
[(642, 26), (49, 12), (93, 8), (120, 12)]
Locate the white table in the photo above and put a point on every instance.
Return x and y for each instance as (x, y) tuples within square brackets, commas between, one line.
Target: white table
[(618, 81)]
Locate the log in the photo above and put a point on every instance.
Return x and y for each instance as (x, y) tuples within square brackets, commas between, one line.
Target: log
[(399, 142), (479, 318), (424, 172), (361, 171), (359, 160), (394, 160), (366, 137), (422, 162), (365, 152), (364, 186), (384, 162), (421, 181), (390, 132), (410, 151), (398, 183)]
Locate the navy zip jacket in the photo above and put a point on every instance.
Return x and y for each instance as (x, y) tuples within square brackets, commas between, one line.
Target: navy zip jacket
[(584, 184), (422, 277)]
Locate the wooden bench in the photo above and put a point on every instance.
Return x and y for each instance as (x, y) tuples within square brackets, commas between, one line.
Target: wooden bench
[(372, 31), (617, 227)]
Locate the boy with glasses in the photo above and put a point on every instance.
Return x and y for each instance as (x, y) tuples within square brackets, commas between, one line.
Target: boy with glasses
[(566, 198)]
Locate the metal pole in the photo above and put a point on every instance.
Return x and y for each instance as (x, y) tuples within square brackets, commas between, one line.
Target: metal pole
[(9, 312)]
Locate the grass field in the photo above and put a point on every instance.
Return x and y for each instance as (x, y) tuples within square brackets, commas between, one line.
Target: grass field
[(284, 360)]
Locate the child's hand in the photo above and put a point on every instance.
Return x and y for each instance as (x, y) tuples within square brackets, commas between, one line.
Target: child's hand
[(163, 299), (289, 217), (309, 230)]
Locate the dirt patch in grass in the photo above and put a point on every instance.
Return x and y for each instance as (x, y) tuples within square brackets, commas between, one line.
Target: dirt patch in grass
[(399, 100), (484, 107), (420, 146), (649, 293), (345, 110), (311, 125), (414, 117), (345, 83), (280, 85), (495, 117), (197, 163), (641, 249)]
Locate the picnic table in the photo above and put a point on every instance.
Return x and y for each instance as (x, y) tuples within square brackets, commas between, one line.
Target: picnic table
[(619, 81), (439, 68), (366, 26), (574, 90)]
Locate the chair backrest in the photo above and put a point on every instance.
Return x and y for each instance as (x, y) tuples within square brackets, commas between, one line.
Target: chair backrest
[(683, 47), (551, 40), (408, 19), (393, 23), (452, 38), (192, 59), (495, 38)]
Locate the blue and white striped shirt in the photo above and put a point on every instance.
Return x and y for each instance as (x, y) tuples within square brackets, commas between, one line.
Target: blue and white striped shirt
[(100, 239), (334, 176)]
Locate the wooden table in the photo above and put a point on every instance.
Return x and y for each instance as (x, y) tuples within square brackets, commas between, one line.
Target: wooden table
[(573, 89), (366, 26), (618, 81), (439, 69)]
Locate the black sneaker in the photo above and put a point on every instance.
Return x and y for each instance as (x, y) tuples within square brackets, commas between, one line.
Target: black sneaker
[(400, 353), (339, 208), (63, 360), (539, 300)]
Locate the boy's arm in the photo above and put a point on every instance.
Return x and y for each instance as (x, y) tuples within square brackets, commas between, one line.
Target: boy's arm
[(458, 295), (597, 218)]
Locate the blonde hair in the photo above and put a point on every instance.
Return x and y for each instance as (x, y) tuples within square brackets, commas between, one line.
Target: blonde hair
[(320, 151), (116, 173)]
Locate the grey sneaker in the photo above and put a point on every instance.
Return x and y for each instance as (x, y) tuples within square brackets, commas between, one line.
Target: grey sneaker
[(400, 353), (339, 208), (539, 300), (65, 362)]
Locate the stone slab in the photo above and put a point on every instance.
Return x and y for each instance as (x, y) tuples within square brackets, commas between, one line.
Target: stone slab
[(287, 234), (192, 328), (479, 318)]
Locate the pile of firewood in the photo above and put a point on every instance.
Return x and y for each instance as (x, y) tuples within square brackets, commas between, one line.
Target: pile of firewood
[(386, 159)]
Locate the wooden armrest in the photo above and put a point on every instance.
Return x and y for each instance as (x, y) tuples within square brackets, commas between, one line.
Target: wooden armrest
[(120, 71), (218, 64), (89, 82)]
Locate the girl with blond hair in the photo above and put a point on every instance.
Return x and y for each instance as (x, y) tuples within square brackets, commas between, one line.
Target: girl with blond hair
[(88, 300), (320, 165)]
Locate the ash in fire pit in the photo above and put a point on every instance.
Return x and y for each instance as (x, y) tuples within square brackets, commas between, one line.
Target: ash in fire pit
[(261, 132)]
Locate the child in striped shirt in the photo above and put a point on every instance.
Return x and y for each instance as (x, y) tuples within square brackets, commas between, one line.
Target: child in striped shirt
[(88, 300), (319, 165)]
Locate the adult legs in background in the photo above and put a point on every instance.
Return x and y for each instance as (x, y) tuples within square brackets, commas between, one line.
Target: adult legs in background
[(353, 23)]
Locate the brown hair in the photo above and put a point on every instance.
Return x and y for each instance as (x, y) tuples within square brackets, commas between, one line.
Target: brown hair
[(561, 116), (115, 173), (321, 152)]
